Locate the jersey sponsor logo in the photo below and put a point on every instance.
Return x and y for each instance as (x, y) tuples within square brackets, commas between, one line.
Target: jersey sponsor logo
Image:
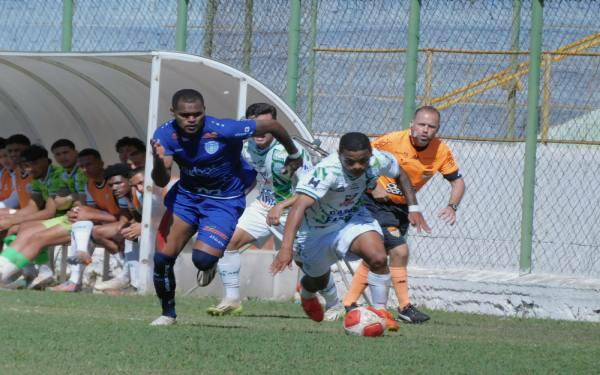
[(393, 189), (174, 136), (210, 135), (216, 232), (211, 147), (314, 182), (246, 129)]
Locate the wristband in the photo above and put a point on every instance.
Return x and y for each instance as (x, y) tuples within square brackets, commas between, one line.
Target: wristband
[(414, 208), (295, 155), (12, 211)]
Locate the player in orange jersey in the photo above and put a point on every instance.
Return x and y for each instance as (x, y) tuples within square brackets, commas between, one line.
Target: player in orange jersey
[(421, 155)]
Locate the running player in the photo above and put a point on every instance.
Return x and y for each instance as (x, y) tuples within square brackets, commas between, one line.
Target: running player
[(209, 197), (421, 154), (330, 222)]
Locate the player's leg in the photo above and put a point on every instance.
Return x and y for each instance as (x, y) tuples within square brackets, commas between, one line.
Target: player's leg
[(407, 312)]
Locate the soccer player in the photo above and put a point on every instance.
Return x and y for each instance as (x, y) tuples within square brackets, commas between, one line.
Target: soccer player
[(18, 197), (267, 157), (209, 197), (330, 222), (421, 154)]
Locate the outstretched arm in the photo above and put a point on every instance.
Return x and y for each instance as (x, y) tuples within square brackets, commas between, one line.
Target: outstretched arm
[(294, 159), (457, 191)]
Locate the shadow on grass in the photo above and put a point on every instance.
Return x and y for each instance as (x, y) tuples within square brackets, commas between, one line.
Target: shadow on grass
[(204, 325), (273, 316)]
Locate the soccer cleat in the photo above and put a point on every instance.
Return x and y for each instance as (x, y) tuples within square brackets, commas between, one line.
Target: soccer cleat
[(206, 277), (164, 320), (335, 312), (390, 323), (116, 283), (42, 281), (66, 287), (410, 314), (226, 307), (80, 257), (312, 307)]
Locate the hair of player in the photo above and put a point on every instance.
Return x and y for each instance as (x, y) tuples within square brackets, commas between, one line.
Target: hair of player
[(34, 153), (355, 141), (186, 96), (428, 108), (258, 109), (137, 143), (122, 142), (2, 143), (89, 152), (18, 139), (133, 172), (62, 143), (118, 169)]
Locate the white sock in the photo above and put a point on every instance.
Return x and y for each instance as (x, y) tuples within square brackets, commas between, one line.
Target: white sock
[(122, 257), (132, 261), (379, 285), (330, 293), (229, 269), (81, 233), (76, 269), (8, 271)]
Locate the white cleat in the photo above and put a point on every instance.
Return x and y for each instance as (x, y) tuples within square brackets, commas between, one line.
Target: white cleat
[(335, 312), (42, 281), (164, 320), (116, 283)]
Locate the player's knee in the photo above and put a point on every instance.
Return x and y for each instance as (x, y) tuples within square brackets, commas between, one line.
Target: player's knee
[(203, 260), (377, 260), (314, 284)]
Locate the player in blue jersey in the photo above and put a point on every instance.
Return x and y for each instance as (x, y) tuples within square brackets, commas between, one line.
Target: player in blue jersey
[(209, 196)]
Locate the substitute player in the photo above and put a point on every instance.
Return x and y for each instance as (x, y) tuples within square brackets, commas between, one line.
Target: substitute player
[(209, 197), (421, 154), (330, 222)]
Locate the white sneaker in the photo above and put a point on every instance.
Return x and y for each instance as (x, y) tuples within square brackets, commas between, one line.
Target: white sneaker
[(116, 283), (41, 281), (164, 320), (335, 312)]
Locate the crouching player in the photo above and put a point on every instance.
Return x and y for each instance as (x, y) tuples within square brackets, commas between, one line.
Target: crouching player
[(267, 157), (331, 223), (209, 198)]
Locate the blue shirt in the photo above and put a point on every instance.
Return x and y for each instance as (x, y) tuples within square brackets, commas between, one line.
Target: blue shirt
[(209, 161)]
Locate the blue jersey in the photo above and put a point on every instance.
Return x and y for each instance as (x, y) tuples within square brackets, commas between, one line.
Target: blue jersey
[(209, 161)]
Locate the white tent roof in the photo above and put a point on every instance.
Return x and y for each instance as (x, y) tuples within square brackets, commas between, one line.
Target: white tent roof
[(96, 98)]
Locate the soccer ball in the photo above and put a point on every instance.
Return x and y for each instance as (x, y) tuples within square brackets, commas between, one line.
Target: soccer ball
[(364, 321)]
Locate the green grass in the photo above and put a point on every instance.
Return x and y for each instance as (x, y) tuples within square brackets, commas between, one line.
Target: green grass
[(46, 333)]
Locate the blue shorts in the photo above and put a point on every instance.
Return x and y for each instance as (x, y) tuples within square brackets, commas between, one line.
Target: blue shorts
[(215, 219)]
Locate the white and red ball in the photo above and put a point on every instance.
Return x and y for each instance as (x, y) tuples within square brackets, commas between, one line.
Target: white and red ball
[(364, 321)]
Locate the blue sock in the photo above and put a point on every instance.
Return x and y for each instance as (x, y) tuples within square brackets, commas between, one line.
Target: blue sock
[(164, 282)]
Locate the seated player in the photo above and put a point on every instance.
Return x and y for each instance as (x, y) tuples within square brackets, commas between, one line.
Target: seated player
[(328, 223), (267, 157)]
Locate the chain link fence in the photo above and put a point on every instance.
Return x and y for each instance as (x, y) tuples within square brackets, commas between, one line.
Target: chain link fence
[(472, 64)]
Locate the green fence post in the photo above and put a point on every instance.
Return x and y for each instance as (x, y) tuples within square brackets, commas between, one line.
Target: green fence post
[(533, 97), (293, 54), (247, 48), (410, 80), (514, 61), (181, 28), (211, 12), (314, 5), (67, 26)]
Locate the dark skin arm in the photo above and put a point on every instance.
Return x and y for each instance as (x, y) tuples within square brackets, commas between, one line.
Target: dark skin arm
[(279, 133)]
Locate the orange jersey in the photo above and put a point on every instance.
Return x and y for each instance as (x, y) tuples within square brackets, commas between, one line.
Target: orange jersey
[(6, 184), (420, 166), (22, 183), (102, 197)]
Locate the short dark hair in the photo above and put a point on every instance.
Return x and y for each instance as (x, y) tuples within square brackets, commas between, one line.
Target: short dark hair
[(428, 108), (63, 143), (138, 144), (122, 142), (89, 152), (133, 172), (2, 143), (186, 96), (34, 152), (119, 169), (19, 139), (258, 109), (355, 141)]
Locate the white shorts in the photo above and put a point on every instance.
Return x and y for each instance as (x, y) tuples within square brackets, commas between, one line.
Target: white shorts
[(318, 250), (254, 222)]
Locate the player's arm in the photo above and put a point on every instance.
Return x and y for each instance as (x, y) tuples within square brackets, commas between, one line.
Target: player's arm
[(294, 159), (294, 219), (80, 213), (457, 190), (45, 210), (16, 218), (161, 168), (275, 212)]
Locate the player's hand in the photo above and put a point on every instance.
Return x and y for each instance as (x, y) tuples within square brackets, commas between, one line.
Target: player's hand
[(282, 260), (291, 165), (274, 215), (158, 151), (448, 215), (5, 223), (417, 220), (131, 232), (379, 194)]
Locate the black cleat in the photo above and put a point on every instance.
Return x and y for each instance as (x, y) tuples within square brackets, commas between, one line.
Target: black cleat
[(410, 314), (206, 277)]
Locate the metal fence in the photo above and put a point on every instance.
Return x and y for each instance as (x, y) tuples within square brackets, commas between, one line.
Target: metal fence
[(354, 73)]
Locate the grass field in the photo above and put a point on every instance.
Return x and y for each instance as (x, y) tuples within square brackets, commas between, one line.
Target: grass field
[(45, 333)]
